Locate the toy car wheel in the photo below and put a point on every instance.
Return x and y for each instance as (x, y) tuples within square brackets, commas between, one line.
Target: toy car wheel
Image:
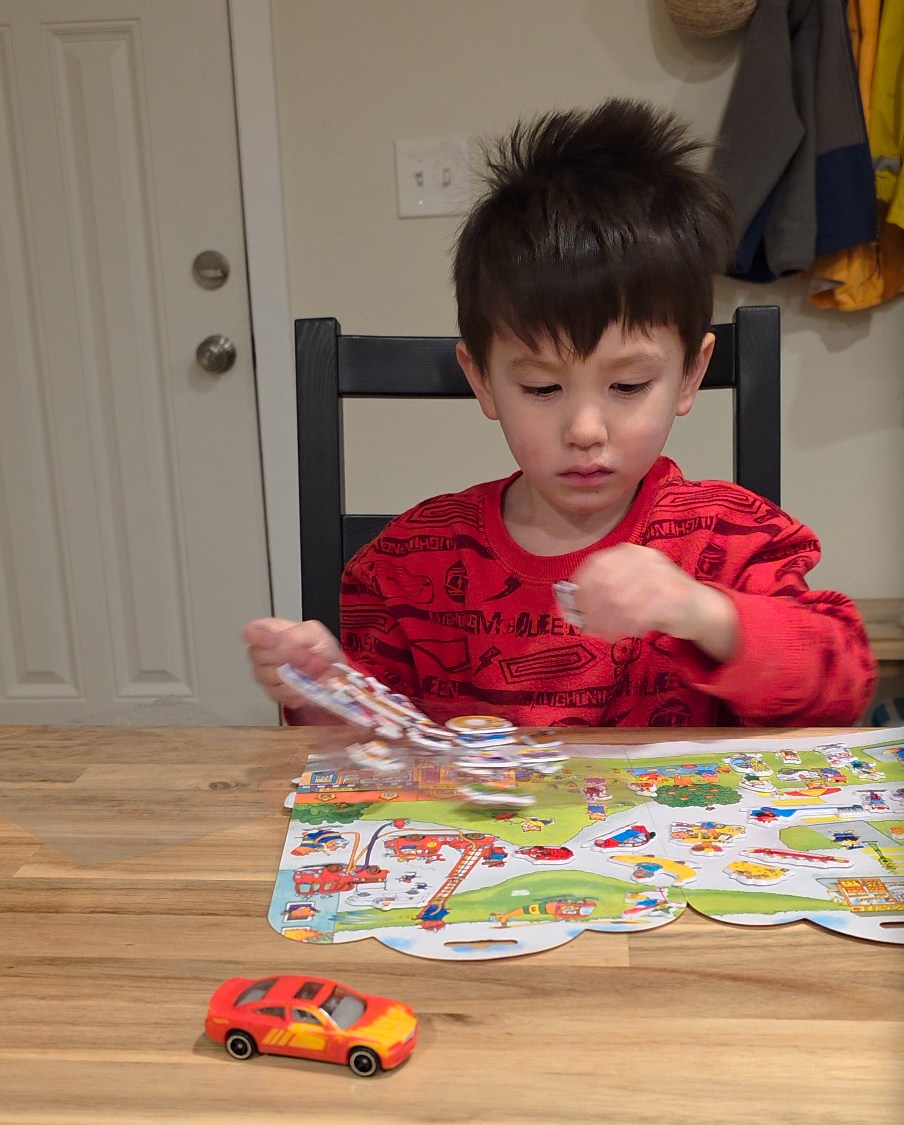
[(333, 867), (372, 869), (240, 1045), (363, 1061)]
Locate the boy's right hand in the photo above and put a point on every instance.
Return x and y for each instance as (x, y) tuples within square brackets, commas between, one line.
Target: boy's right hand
[(273, 641)]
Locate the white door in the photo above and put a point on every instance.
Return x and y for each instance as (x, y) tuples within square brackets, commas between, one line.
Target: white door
[(132, 536)]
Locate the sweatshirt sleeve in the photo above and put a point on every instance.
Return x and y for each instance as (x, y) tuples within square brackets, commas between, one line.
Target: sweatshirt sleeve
[(803, 657)]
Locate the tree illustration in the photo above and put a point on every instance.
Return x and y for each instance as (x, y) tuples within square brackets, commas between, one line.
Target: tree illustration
[(341, 813), (700, 795)]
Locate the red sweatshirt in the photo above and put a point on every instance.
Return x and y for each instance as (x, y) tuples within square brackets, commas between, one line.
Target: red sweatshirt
[(445, 607)]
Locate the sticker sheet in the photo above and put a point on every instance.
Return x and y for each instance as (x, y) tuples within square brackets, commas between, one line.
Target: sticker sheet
[(612, 838)]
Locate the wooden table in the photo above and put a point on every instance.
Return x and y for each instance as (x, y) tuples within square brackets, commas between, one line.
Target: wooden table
[(136, 867)]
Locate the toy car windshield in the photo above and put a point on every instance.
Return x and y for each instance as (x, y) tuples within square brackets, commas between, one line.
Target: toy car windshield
[(343, 1008)]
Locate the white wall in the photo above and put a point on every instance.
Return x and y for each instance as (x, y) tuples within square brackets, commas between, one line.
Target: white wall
[(356, 75)]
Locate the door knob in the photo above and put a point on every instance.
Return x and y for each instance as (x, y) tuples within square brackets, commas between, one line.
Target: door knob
[(216, 354)]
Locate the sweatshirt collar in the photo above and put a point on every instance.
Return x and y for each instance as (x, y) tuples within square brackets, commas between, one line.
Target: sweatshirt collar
[(556, 568)]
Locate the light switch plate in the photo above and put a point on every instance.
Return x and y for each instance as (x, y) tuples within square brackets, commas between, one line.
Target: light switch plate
[(433, 177)]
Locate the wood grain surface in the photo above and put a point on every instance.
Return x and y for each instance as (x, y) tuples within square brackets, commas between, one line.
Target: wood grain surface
[(136, 869)]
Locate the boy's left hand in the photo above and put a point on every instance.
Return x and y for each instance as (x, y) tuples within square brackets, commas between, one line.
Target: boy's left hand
[(629, 591)]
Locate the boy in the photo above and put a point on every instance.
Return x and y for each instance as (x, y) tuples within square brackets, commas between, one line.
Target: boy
[(584, 286)]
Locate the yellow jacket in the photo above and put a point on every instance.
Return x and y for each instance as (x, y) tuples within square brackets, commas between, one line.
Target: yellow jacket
[(867, 275), (886, 119)]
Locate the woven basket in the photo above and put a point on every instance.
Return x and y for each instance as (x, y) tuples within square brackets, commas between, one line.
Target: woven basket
[(709, 18)]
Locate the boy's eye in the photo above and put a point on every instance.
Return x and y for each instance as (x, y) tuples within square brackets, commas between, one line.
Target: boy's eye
[(541, 392), (630, 388)]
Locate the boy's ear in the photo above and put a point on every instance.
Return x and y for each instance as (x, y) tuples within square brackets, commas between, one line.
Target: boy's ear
[(480, 384), (693, 377)]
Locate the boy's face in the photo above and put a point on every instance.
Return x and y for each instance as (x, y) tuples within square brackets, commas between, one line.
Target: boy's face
[(585, 431)]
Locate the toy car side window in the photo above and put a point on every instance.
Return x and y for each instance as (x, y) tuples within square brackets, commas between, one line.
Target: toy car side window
[(309, 989), (299, 1015), (277, 1013), (256, 991)]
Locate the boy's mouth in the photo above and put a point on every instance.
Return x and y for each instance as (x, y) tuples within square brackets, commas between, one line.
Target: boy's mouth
[(587, 475)]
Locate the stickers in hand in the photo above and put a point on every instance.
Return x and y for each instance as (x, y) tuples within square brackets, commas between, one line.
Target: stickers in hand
[(564, 594)]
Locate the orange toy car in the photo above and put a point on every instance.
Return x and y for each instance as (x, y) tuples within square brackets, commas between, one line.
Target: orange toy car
[(310, 1018)]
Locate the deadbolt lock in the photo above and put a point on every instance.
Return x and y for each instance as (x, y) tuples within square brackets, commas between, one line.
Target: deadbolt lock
[(210, 269)]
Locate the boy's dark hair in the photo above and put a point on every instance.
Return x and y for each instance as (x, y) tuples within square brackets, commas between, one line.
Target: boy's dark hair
[(592, 218)]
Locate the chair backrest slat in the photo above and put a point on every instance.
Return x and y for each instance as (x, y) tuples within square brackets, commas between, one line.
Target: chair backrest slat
[(406, 366)]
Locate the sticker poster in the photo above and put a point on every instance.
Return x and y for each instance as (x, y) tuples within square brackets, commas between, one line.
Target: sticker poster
[(618, 839)]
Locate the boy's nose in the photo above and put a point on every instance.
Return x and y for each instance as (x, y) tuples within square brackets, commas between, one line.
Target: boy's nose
[(586, 427)]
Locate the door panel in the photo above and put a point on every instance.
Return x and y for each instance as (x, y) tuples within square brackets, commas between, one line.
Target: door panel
[(37, 636)]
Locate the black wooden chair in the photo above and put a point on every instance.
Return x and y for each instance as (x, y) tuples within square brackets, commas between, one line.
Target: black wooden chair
[(330, 367)]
